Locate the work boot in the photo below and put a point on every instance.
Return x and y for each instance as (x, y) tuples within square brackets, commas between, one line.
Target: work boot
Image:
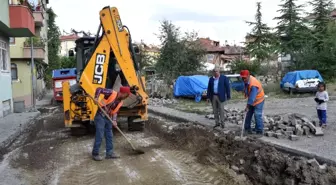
[(222, 125), (112, 156), (258, 135), (97, 158), (247, 132), (217, 125)]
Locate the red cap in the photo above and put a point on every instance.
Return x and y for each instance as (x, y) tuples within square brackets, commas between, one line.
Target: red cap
[(244, 73), (124, 89)]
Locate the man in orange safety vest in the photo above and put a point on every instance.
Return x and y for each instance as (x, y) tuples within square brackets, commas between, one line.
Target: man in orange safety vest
[(256, 98), (111, 104)]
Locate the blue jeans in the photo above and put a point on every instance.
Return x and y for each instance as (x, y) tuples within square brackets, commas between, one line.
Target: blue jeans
[(257, 110), (103, 125), (322, 115)]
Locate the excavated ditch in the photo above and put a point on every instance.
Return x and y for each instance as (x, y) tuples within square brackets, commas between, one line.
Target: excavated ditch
[(259, 162)]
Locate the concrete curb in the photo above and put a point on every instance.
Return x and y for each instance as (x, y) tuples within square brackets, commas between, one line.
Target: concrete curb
[(281, 148), (18, 131), (296, 152)]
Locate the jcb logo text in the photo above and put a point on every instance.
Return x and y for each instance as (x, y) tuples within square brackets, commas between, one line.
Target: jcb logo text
[(99, 69)]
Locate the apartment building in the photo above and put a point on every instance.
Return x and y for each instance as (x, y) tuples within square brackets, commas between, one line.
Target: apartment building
[(67, 43), (222, 56), (23, 79), (15, 21)]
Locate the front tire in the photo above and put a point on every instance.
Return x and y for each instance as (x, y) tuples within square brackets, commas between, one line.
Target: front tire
[(79, 131), (135, 126)]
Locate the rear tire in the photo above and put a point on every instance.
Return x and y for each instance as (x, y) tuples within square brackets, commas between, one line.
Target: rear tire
[(135, 126), (53, 102), (79, 131)]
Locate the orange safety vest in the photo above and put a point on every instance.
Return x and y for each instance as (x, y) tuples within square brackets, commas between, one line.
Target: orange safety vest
[(260, 95), (106, 102)]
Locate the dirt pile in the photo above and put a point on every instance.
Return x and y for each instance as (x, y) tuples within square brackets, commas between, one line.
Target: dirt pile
[(262, 164)]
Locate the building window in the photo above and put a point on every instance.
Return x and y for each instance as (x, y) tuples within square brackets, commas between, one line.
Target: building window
[(3, 56), (14, 71), (210, 57), (11, 41)]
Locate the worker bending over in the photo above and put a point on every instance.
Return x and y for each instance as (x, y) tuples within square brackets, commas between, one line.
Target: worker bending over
[(255, 93), (111, 104)]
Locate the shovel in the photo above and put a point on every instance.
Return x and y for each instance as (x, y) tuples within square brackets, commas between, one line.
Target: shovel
[(243, 126), (137, 151)]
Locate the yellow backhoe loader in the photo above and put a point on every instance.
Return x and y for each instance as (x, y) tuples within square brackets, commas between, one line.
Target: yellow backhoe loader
[(107, 60)]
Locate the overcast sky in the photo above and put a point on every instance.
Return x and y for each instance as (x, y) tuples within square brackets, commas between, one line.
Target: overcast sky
[(218, 19)]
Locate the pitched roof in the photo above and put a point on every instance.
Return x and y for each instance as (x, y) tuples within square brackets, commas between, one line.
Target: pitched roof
[(210, 45), (69, 37), (233, 50)]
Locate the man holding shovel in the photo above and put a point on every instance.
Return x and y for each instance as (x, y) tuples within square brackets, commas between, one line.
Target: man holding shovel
[(255, 93), (111, 104)]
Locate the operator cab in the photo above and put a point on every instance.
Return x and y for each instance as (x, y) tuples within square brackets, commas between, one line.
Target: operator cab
[(83, 49)]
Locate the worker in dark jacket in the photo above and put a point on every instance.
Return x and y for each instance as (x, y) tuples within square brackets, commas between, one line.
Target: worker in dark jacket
[(218, 92)]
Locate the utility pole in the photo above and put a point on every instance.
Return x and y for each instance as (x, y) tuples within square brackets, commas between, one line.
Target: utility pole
[(32, 66)]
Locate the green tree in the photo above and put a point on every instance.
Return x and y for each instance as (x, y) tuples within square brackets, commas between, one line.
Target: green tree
[(53, 47), (145, 59), (238, 65), (179, 54), (323, 58), (290, 29), (321, 20), (68, 62), (319, 51), (263, 45)]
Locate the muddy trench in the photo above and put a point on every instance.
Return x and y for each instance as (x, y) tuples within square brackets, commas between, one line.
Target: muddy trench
[(46, 147), (259, 162)]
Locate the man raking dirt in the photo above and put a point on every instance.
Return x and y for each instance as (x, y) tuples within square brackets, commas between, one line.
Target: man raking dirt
[(108, 107)]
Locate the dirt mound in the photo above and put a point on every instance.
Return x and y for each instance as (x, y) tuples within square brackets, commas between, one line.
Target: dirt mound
[(261, 163)]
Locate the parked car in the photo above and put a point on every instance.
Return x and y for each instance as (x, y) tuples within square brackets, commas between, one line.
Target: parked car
[(236, 82), (301, 81)]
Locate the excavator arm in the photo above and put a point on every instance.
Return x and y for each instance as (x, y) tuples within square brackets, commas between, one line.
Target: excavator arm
[(115, 41)]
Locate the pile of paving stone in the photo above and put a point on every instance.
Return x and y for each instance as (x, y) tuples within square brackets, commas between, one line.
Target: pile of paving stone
[(161, 101), (290, 126)]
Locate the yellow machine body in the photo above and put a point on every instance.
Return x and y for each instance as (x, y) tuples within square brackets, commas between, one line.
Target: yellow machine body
[(114, 42)]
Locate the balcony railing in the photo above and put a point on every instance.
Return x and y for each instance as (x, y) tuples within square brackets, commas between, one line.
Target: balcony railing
[(26, 3), (37, 42), (21, 18), (37, 10), (38, 45), (39, 53), (29, 3), (38, 17)]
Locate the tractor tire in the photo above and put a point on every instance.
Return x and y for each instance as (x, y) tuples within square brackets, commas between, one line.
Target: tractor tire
[(79, 131), (53, 102), (135, 126), (91, 127)]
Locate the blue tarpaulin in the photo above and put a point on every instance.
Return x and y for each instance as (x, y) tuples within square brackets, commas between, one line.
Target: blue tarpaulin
[(294, 76), (191, 86)]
